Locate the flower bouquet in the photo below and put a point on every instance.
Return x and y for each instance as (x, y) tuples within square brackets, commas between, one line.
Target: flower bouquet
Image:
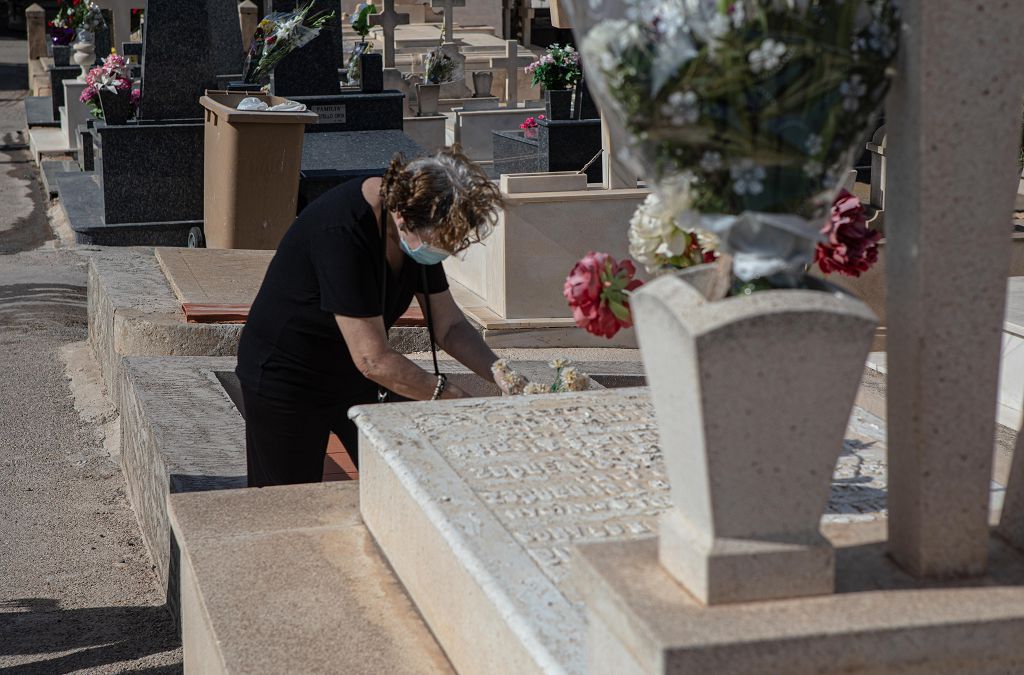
[(438, 67), (530, 125), (108, 92), (598, 290), (567, 378), (360, 22), (90, 18), (745, 114), (65, 24), (278, 35), (558, 71)]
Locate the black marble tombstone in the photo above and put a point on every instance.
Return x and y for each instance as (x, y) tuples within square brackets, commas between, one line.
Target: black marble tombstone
[(310, 75), (150, 172), (313, 69), (567, 145)]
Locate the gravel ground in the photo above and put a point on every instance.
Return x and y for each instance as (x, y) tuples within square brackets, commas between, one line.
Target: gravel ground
[(77, 590)]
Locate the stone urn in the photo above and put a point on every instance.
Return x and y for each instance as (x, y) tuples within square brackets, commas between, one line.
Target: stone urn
[(483, 81), (85, 52), (752, 396), (558, 104), (117, 106), (428, 95)]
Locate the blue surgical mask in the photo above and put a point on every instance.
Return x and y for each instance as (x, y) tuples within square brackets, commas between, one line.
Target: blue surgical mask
[(423, 254)]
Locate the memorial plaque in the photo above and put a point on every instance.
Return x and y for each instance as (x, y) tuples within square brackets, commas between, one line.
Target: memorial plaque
[(330, 114)]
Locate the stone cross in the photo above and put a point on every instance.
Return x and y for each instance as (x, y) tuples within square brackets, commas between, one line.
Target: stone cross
[(449, 15), (511, 63), (389, 20), (945, 321)]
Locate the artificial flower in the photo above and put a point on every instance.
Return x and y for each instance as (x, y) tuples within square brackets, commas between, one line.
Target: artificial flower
[(851, 247), (598, 289)]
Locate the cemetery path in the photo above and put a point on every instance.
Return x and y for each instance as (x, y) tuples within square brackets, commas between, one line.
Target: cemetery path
[(77, 590)]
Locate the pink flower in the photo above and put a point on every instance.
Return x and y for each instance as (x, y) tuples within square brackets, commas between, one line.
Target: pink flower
[(88, 94), (598, 291), (136, 97), (852, 247)]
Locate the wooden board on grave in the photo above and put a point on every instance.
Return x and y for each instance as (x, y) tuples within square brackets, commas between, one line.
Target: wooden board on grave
[(205, 276), (219, 285)]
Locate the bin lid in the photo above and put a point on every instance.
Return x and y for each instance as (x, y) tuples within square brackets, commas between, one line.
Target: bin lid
[(223, 104)]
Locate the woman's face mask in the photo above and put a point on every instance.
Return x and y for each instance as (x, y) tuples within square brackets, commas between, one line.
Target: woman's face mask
[(420, 251)]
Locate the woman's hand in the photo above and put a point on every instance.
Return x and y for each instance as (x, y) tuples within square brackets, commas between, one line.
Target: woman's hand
[(378, 362)]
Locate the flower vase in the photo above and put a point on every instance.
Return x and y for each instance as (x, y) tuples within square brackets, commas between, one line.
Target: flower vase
[(558, 104), (117, 106), (61, 55), (428, 96), (371, 73), (750, 427), (85, 52), (483, 80)]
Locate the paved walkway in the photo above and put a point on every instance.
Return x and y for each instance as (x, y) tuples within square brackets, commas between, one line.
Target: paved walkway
[(77, 593)]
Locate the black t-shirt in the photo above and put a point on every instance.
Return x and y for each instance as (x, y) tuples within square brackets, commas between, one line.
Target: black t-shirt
[(329, 262)]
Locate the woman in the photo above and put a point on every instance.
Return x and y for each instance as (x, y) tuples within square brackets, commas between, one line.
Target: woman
[(316, 343)]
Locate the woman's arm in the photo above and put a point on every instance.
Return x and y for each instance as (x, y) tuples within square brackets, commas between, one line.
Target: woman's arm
[(377, 361), (457, 337)]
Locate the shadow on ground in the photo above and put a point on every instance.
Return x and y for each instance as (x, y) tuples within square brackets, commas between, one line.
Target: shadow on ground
[(98, 636)]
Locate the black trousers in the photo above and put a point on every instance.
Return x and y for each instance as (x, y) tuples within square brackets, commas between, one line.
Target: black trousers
[(286, 442)]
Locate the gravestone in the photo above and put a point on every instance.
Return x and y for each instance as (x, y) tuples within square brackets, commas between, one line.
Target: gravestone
[(448, 10), (388, 19), (511, 63), (188, 43), (313, 69), (567, 145), (516, 152)]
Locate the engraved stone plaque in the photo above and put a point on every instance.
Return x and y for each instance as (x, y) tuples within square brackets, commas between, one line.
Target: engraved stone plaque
[(330, 114), (478, 503)]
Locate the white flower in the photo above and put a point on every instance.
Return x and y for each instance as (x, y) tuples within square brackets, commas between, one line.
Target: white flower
[(813, 168), (747, 178), (711, 161), (682, 108), (852, 90), (659, 238), (574, 380), (535, 388), (767, 57), (738, 15), (560, 362), (813, 144)]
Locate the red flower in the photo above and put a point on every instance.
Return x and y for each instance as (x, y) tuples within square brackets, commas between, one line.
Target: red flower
[(598, 291), (852, 247)]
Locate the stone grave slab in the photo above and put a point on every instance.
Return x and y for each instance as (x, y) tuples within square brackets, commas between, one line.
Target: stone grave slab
[(329, 159), (478, 504), (39, 112), (187, 44), (325, 603), (880, 620), (474, 128), (515, 152), (355, 111), (50, 170), (134, 311), (82, 201)]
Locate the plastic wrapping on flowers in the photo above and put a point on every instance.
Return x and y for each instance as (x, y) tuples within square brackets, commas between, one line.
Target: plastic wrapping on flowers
[(744, 115), (278, 35)]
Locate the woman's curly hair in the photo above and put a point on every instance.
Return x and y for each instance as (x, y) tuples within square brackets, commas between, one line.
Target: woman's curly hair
[(447, 192)]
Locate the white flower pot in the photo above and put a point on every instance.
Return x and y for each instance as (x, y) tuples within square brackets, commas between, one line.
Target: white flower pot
[(752, 396)]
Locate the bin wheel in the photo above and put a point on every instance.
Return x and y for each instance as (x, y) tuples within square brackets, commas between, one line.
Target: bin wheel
[(196, 238)]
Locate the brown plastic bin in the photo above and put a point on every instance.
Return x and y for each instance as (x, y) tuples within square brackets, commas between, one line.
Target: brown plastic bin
[(252, 163)]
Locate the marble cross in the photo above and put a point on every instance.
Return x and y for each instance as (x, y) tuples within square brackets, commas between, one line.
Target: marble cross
[(449, 16), (389, 20), (511, 63)]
